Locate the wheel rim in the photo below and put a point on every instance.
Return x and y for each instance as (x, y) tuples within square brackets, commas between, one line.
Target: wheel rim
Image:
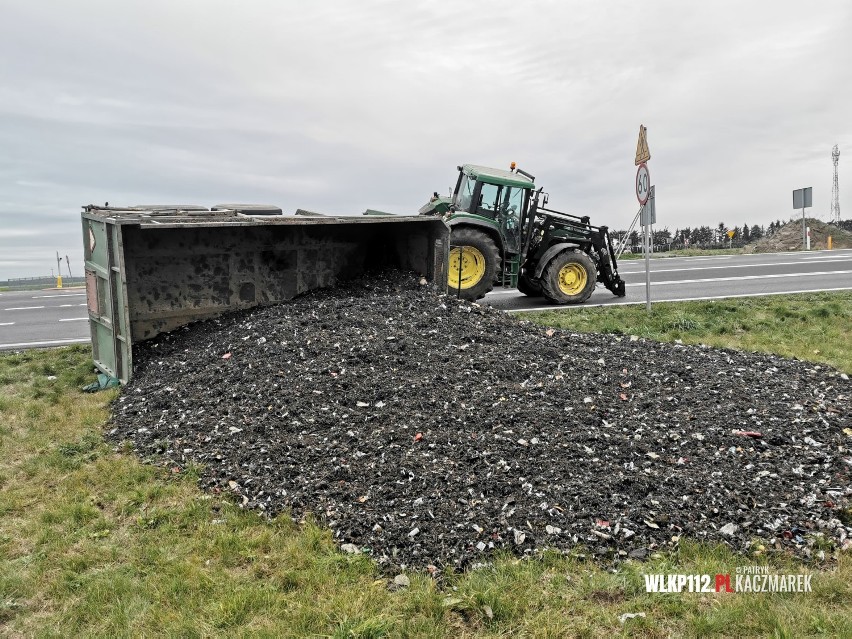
[(572, 279), (470, 262)]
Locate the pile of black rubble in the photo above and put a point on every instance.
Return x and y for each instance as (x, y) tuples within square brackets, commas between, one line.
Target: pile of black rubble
[(428, 430)]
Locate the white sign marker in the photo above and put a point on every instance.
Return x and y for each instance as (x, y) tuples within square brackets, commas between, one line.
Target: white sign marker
[(643, 184)]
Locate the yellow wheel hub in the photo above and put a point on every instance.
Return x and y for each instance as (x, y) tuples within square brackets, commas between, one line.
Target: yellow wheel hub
[(470, 263), (572, 279)]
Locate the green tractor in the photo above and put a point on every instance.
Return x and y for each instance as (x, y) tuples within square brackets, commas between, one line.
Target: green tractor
[(502, 234)]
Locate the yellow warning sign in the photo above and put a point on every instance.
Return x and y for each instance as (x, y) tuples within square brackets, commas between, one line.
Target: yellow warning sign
[(642, 152), (731, 234)]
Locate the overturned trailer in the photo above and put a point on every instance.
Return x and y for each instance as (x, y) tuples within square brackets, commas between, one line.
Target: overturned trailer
[(152, 269)]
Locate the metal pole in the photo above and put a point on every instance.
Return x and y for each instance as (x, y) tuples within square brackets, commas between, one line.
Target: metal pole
[(647, 266), (804, 233)]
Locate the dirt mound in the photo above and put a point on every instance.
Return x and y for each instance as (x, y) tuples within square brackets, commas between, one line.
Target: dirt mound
[(427, 430), (789, 238)]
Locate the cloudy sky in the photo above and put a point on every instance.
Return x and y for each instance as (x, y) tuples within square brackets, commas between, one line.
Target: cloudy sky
[(337, 106)]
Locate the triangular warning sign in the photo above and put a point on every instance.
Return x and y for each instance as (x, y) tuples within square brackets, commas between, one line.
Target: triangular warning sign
[(642, 152)]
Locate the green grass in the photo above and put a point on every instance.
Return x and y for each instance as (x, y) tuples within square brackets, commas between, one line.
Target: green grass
[(690, 252), (809, 326), (95, 543)]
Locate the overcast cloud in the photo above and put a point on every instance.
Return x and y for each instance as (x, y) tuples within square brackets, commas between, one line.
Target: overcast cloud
[(340, 106)]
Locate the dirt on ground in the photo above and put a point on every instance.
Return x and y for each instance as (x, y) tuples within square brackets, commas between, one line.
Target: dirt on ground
[(429, 431), (789, 238)]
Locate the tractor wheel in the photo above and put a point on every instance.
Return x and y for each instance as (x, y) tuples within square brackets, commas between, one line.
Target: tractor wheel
[(528, 286), (569, 278), (474, 259)]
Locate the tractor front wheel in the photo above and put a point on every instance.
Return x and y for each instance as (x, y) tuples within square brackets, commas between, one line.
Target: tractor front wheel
[(473, 264), (569, 278)]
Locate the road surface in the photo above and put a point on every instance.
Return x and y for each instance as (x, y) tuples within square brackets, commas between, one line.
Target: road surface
[(719, 276), (34, 319)]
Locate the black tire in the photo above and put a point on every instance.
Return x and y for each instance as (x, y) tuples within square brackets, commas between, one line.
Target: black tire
[(579, 276), (482, 248), (528, 286)]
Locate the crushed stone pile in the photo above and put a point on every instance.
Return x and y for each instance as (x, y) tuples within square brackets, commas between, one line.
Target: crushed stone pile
[(789, 237), (426, 430)]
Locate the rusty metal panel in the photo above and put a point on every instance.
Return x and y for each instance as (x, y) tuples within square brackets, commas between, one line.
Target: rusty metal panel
[(92, 292)]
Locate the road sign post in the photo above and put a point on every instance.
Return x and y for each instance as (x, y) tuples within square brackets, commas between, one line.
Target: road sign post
[(645, 195), (803, 199), (647, 214)]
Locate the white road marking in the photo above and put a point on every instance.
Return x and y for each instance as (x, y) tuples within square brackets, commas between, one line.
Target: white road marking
[(74, 319), (556, 307), (641, 260), (39, 297), (742, 277), (24, 308), (7, 323), (53, 342)]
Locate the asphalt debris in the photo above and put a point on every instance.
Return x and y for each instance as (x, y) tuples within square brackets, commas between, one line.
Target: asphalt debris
[(429, 431)]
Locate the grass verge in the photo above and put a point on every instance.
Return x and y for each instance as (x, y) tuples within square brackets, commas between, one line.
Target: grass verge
[(809, 326), (95, 543), (690, 252)]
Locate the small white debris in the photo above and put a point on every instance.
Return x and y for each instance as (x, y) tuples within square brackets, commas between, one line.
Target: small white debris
[(629, 615), (361, 404), (728, 529), (552, 530), (520, 537), (402, 581), (414, 533), (352, 549)]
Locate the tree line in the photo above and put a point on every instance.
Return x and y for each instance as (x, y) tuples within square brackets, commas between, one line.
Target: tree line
[(703, 236)]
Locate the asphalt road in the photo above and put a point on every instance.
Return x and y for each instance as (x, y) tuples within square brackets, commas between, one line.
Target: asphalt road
[(32, 319), (695, 278)]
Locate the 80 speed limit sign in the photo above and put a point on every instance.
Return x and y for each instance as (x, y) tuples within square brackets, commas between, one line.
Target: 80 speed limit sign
[(643, 184)]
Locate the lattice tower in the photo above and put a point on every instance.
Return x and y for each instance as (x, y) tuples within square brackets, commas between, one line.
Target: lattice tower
[(835, 190)]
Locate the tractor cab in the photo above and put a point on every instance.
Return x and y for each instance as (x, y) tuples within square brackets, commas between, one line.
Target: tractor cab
[(497, 198)]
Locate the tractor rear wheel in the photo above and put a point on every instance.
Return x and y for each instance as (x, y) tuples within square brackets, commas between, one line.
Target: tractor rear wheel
[(528, 286), (473, 264), (569, 278)]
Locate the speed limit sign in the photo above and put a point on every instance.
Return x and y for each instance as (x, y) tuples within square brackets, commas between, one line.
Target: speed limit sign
[(643, 184)]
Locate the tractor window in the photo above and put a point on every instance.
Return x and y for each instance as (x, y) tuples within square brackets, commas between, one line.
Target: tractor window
[(464, 195), (509, 215), (488, 203)]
